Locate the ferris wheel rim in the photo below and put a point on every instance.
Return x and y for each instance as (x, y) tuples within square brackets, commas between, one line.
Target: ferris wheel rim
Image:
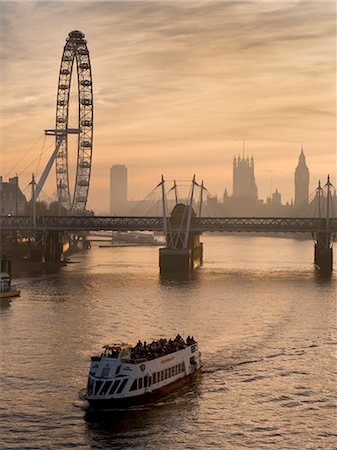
[(75, 50)]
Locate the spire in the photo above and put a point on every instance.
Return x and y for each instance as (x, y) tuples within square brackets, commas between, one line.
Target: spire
[(302, 156)]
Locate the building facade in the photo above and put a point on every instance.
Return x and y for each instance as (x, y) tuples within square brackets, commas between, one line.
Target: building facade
[(302, 179), (244, 185), (12, 200), (118, 189)]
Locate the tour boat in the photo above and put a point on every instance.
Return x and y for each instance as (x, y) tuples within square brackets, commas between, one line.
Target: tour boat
[(125, 376), (6, 288)]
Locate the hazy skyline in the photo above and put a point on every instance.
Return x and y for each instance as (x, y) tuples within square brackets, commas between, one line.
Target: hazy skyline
[(177, 87)]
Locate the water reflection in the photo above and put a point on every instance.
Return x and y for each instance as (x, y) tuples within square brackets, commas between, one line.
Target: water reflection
[(5, 303), (124, 427), (180, 278), (323, 277)]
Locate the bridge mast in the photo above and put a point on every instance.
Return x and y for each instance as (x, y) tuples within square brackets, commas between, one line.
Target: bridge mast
[(190, 208), (164, 206), (324, 236)]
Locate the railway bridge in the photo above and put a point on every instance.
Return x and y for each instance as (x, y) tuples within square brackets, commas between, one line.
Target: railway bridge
[(323, 230)]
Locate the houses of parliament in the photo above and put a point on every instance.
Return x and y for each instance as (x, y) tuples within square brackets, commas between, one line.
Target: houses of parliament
[(244, 199)]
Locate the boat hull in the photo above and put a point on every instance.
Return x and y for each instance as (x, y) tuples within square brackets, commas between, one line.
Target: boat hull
[(148, 397), (8, 294)]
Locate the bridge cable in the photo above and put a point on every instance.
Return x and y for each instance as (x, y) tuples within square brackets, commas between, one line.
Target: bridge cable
[(23, 157)]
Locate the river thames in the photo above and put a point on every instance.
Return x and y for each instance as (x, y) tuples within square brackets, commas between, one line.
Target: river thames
[(264, 319)]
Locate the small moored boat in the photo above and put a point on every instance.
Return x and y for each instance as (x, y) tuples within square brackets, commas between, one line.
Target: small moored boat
[(124, 375), (7, 289)]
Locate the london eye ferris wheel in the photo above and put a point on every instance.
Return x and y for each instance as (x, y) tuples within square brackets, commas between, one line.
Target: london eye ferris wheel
[(75, 49)]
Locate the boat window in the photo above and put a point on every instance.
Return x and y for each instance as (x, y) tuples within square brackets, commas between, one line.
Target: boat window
[(145, 381), (169, 372), (166, 373), (90, 385), (121, 387), (105, 372), (140, 383), (106, 387), (98, 386), (114, 387), (118, 369), (162, 375), (134, 385), (154, 377)]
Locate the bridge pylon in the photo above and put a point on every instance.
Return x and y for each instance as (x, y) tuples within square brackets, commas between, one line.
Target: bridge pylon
[(324, 237), (183, 251)]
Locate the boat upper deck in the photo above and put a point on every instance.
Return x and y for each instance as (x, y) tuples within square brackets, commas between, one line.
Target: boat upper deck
[(142, 352)]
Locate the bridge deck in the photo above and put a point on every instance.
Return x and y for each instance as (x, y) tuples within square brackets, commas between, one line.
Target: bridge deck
[(204, 224)]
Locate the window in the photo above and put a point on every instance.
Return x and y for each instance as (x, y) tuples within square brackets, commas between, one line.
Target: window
[(145, 381), (154, 378), (161, 375), (140, 383), (134, 386), (90, 386), (98, 386), (105, 372), (114, 387), (106, 387), (121, 387)]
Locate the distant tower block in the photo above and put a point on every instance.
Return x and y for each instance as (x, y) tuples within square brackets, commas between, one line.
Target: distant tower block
[(244, 185), (301, 181), (118, 189)]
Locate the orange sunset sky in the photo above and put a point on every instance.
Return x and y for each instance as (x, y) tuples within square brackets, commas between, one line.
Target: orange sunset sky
[(178, 85)]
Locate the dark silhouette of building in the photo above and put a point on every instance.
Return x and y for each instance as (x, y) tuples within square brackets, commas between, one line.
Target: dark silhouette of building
[(301, 181), (244, 186), (12, 200), (118, 189)]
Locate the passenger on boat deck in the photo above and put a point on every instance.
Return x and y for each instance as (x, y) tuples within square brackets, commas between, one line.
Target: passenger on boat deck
[(190, 340), (158, 348)]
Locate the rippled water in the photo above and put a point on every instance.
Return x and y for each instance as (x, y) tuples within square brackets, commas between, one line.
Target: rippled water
[(265, 323)]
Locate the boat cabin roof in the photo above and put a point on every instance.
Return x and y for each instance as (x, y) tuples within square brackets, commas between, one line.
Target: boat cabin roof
[(117, 347), (4, 275)]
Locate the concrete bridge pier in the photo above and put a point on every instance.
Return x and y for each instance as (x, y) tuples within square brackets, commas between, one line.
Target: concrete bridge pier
[(47, 248), (180, 260), (323, 252), (53, 248)]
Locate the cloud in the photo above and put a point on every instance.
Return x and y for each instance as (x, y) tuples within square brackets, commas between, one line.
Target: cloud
[(175, 81)]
